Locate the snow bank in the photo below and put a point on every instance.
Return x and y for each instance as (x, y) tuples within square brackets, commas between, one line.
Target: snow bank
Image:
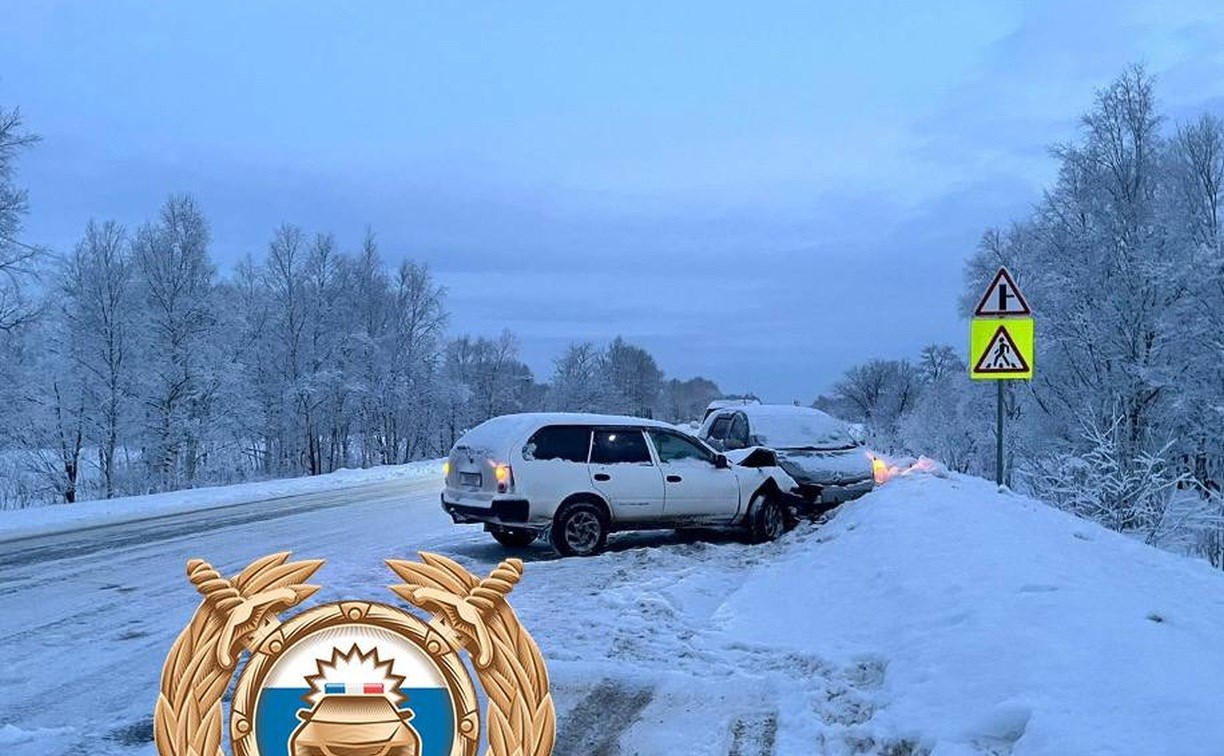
[(1003, 625), (47, 520), (44, 740)]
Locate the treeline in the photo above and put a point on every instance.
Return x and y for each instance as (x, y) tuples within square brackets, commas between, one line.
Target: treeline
[(1122, 262), (130, 365)]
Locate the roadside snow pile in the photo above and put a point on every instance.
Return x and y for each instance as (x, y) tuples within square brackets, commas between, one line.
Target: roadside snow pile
[(40, 740), (1002, 625), (37, 521)]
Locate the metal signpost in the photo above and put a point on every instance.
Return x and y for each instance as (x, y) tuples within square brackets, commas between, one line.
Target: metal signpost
[(1001, 345)]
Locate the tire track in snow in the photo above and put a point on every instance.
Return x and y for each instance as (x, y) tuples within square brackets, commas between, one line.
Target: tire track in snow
[(754, 735), (594, 727)]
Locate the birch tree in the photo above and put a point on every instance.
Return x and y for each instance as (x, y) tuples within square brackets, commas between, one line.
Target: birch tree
[(19, 260), (97, 306), (577, 380), (175, 276)]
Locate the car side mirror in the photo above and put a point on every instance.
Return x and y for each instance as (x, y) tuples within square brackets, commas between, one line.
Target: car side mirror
[(721, 462)]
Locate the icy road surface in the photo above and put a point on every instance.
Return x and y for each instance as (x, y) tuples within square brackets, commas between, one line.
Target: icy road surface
[(934, 616)]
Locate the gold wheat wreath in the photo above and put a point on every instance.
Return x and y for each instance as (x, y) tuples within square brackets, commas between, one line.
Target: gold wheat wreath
[(236, 613)]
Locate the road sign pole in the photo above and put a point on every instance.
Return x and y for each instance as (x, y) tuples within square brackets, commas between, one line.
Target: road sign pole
[(999, 435), (1001, 347)]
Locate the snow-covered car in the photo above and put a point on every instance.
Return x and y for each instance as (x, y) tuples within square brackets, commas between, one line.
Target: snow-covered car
[(719, 404), (815, 448), (575, 478)]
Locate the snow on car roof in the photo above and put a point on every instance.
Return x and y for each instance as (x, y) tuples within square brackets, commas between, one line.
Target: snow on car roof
[(498, 432), (725, 403), (784, 426)]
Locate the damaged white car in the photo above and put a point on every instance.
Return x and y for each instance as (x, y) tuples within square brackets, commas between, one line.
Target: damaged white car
[(816, 449), (575, 478)]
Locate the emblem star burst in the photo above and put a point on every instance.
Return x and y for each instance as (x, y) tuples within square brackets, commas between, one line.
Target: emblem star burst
[(354, 666)]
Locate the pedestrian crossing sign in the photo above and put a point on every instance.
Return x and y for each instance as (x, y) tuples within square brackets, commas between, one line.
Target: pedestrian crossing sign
[(1001, 349)]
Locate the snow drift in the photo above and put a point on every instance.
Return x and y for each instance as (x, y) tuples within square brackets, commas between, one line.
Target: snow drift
[(1003, 626)]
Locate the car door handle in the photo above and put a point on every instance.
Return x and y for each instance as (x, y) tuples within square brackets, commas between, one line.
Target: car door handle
[(602, 477), (674, 479)]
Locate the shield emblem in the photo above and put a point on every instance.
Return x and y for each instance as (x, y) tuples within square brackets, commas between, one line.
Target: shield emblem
[(381, 686)]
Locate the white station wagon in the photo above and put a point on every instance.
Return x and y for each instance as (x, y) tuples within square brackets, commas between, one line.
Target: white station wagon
[(575, 478)]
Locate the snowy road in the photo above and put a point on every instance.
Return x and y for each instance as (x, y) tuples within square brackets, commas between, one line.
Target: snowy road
[(90, 615), (880, 632), (32, 551)]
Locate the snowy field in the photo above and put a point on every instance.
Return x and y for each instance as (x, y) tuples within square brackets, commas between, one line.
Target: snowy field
[(934, 616)]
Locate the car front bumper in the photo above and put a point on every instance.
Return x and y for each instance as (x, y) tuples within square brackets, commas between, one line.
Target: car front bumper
[(827, 495)]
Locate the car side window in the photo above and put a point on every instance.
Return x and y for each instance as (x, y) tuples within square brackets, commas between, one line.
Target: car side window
[(613, 447), (718, 429), (672, 447), (570, 443), (737, 436)]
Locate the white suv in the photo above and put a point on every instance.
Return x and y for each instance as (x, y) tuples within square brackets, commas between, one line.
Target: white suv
[(575, 478)]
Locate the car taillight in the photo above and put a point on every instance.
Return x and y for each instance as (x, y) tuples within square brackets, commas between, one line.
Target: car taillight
[(504, 476)]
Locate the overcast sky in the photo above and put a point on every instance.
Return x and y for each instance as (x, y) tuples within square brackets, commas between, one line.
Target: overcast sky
[(762, 193)]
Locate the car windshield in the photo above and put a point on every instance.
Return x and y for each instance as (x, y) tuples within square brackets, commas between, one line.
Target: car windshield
[(798, 428)]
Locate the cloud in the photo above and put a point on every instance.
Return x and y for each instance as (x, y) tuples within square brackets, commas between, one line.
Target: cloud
[(764, 198)]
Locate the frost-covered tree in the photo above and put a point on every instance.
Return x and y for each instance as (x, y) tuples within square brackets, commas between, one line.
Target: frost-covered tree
[(1121, 262), (19, 259), (49, 417), (1196, 174), (878, 394), (175, 277), (682, 401), (937, 362), (496, 381), (418, 323), (97, 308), (632, 377), (577, 381)]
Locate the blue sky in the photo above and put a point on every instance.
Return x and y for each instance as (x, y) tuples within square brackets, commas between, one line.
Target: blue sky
[(761, 193)]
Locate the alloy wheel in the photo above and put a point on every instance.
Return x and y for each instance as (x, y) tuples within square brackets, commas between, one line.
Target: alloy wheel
[(582, 531)]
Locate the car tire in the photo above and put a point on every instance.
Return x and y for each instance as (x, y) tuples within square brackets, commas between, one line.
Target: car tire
[(768, 521), (580, 529), (514, 538)]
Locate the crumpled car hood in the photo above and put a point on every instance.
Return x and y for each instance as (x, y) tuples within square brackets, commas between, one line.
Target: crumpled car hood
[(826, 467), (760, 458)]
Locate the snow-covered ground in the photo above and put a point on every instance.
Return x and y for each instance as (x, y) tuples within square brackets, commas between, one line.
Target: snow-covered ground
[(934, 616), (58, 518)]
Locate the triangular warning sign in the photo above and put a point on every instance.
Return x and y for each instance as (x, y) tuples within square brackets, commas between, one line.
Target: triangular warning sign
[(1002, 297), (1001, 355)]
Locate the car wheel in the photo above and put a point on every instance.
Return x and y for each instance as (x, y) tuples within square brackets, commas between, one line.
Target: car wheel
[(768, 518), (580, 529), (515, 538)]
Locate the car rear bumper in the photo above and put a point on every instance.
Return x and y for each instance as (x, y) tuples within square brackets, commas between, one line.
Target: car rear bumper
[(509, 512)]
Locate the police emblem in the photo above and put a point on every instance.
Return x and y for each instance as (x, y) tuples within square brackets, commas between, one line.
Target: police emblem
[(354, 678)]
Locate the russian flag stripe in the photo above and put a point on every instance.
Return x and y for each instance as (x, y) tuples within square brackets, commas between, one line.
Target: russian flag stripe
[(351, 688)]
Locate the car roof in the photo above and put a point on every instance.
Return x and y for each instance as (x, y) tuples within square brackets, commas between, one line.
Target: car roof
[(718, 404), (821, 423), (782, 410), (499, 431)]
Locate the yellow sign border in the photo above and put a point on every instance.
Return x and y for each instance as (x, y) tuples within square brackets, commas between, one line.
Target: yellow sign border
[(982, 332)]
